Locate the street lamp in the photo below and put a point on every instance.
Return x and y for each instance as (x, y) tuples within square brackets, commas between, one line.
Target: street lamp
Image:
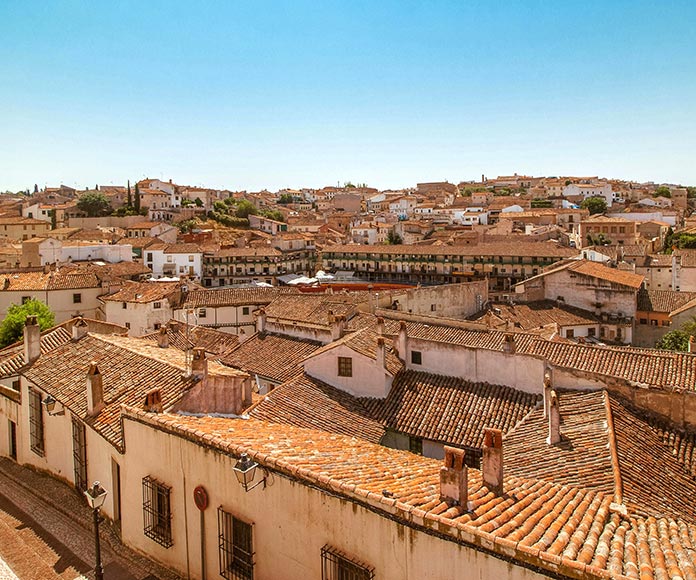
[(245, 470), (50, 404), (96, 496)]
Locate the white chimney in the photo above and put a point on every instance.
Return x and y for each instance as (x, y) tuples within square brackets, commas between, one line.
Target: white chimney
[(79, 329), (261, 321), (163, 337), (32, 339), (547, 393), (95, 390), (554, 420), (381, 353), (402, 342), (380, 325), (492, 464), (454, 484)]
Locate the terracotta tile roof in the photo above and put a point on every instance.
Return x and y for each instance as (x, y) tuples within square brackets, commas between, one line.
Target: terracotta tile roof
[(663, 300), (130, 368), (308, 402), (597, 270), (182, 249), (571, 532), (449, 409), (119, 270), (531, 315), (687, 257), (271, 356), (141, 242), (311, 309), (63, 279), (235, 296), (186, 337), (143, 292)]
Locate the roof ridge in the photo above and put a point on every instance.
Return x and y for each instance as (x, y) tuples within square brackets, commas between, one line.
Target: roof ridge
[(615, 466)]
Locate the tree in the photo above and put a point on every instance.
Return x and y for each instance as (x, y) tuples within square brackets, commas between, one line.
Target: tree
[(94, 204), (691, 192), (129, 202), (136, 201), (12, 326), (394, 239), (274, 214), (594, 204), (663, 191), (198, 201), (54, 219), (245, 208), (36, 188), (674, 340), (285, 199)]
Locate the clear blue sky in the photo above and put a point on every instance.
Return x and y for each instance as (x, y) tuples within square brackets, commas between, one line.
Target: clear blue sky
[(256, 94)]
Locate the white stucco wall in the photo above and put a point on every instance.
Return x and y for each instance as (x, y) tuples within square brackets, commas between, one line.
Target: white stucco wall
[(138, 318), (59, 301)]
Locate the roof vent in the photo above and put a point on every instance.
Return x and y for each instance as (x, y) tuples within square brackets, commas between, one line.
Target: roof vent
[(454, 483), (153, 401)]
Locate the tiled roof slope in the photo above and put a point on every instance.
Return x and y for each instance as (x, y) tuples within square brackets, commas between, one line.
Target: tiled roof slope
[(581, 459), (563, 530), (143, 292), (530, 315), (185, 337), (449, 409), (64, 279), (310, 309), (663, 300), (272, 356), (234, 296), (130, 368), (308, 402)]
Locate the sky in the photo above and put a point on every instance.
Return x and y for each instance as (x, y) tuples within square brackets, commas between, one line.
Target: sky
[(273, 94)]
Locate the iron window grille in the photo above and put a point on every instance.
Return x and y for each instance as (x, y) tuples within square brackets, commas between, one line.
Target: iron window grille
[(36, 424), (345, 366), (236, 549), (157, 514), (79, 454), (335, 565)]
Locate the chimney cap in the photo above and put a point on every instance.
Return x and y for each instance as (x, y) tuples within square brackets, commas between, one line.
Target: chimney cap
[(93, 369), (32, 320)]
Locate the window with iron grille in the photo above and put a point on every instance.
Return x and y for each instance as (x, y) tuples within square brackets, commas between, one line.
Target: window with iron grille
[(36, 425), (157, 514), (335, 565), (236, 548), (345, 366), (79, 454)]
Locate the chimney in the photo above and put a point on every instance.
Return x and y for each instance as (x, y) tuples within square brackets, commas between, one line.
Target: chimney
[(32, 339), (454, 485), (380, 326), (692, 344), (547, 392), (199, 365), (509, 344), (402, 341), (95, 390), (554, 420), (261, 321), (381, 353), (79, 329), (242, 336), (163, 337), (493, 460)]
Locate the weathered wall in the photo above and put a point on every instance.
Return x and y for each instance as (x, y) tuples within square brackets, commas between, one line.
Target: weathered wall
[(448, 300)]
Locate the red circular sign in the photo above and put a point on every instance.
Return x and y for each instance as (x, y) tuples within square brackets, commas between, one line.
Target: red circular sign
[(200, 497)]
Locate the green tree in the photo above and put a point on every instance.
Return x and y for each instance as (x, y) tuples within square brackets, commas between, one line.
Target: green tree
[(394, 239), (54, 219), (285, 198), (595, 205), (674, 340), (12, 327), (691, 192), (36, 188), (663, 191), (129, 201), (136, 200), (94, 204), (274, 214), (220, 206), (198, 201), (245, 208)]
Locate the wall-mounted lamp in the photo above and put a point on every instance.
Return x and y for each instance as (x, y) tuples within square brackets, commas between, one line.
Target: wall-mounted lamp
[(50, 404), (245, 470)]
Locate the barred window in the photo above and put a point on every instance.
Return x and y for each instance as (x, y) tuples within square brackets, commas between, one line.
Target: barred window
[(157, 514), (345, 366), (335, 565), (36, 424), (79, 454), (236, 547)]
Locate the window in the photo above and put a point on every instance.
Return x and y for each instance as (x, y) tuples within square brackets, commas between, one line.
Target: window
[(416, 357), (433, 308), (415, 445), (202, 313), (25, 299), (235, 547), (127, 325), (190, 258), (170, 259), (77, 298), (643, 320), (245, 310), (653, 322), (157, 305), (149, 256), (16, 385), (590, 332), (157, 326), (336, 565), (157, 515), (124, 305), (345, 366), (570, 333), (79, 454), (36, 425)]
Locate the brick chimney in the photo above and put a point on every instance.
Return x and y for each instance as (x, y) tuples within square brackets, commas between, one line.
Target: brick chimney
[(492, 465), (509, 346), (199, 364), (95, 390), (454, 484), (261, 320), (163, 337), (554, 420), (32, 339), (79, 329)]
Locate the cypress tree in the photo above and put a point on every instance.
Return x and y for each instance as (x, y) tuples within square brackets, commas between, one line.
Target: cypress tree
[(129, 204), (136, 205)]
